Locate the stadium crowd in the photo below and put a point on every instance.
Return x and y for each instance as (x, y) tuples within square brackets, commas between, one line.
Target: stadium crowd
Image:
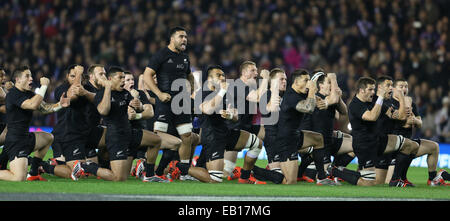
[(353, 38)]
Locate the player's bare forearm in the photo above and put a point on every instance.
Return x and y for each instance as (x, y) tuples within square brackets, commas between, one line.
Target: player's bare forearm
[(105, 104), (342, 107), (147, 112), (402, 110), (47, 108), (148, 79), (262, 88), (90, 96), (306, 106), (191, 80), (373, 114), (210, 106)]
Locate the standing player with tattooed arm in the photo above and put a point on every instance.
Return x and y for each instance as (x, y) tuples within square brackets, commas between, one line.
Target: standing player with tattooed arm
[(21, 101)]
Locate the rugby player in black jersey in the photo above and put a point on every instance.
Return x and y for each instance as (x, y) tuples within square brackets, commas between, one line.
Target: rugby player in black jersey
[(3, 129), (75, 128), (216, 137), (21, 101), (95, 146), (298, 99), (246, 96), (428, 147), (322, 119), (171, 64), (270, 107), (58, 129), (167, 141), (115, 105), (371, 143), (170, 141)]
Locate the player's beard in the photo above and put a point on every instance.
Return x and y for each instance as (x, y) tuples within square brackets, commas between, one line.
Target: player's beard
[(181, 47)]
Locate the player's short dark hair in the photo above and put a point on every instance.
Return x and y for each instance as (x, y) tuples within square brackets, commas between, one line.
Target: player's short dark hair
[(174, 30), (127, 72), (273, 73), (68, 69), (298, 73), (113, 70), (382, 79), (92, 67), (208, 70), (363, 82), (18, 72), (399, 80)]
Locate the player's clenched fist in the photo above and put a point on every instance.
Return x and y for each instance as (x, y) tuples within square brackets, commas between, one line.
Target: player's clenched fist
[(45, 81)]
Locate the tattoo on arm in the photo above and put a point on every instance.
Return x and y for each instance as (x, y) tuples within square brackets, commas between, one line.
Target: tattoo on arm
[(45, 108), (306, 106)]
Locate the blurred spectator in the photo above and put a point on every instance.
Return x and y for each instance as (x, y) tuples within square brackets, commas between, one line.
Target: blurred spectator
[(353, 38), (441, 119)]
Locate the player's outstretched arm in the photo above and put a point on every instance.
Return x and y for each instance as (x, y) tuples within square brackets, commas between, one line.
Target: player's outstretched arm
[(208, 107), (105, 104), (46, 108)]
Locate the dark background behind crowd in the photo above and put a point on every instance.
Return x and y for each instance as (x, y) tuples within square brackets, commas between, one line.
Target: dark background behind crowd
[(353, 38)]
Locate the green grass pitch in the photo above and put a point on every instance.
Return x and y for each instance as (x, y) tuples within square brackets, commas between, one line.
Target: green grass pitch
[(91, 185)]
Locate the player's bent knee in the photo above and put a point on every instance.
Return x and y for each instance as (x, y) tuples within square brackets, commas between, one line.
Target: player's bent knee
[(435, 147), (253, 146), (410, 147), (19, 178)]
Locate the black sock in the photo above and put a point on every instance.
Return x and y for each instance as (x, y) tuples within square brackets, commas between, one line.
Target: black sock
[(350, 176), (311, 173), (401, 160), (59, 162), (90, 167), (407, 164), (445, 175), (432, 175), (149, 169), (263, 174), (201, 161), (342, 160), (306, 161), (103, 163), (50, 169), (35, 162), (245, 174), (3, 160), (184, 168), (318, 156), (166, 157)]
